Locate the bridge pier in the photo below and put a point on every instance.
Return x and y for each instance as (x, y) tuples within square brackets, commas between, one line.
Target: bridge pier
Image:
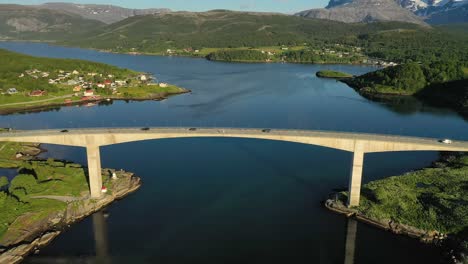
[(94, 171), (356, 178)]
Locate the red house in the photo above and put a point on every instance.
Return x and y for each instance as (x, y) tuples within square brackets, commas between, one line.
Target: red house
[(37, 93)]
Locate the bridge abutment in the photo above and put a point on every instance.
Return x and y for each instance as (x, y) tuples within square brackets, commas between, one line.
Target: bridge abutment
[(94, 171), (355, 179)]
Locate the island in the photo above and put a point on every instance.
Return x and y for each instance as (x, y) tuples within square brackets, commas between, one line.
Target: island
[(46, 196), (333, 75), (28, 82), (429, 204), (442, 83)]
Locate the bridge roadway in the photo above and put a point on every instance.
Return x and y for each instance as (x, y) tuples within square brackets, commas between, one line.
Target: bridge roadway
[(357, 143)]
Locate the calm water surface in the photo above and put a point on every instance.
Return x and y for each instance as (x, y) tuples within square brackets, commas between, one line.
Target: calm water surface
[(236, 200)]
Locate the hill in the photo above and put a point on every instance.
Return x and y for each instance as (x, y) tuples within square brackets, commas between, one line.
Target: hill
[(105, 13), (156, 34), (28, 23), (221, 29)]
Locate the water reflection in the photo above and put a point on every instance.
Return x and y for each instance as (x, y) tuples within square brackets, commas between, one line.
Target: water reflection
[(350, 247), (101, 246), (101, 237)]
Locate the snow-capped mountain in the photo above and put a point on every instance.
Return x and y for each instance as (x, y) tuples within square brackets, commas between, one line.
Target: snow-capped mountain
[(438, 11)]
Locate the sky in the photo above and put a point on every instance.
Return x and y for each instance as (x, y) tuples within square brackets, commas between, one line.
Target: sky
[(283, 6)]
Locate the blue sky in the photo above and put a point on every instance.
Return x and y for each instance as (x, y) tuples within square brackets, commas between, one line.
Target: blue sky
[(284, 6)]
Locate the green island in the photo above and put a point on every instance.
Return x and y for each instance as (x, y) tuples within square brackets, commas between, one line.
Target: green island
[(333, 74), (429, 204), (45, 197), (33, 82), (442, 83)]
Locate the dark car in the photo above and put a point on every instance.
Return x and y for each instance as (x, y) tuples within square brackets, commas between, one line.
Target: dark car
[(192, 129), (64, 131), (266, 130), (145, 129)]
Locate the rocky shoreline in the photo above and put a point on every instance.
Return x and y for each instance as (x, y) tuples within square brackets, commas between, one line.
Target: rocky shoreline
[(18, 242), (424, 236)]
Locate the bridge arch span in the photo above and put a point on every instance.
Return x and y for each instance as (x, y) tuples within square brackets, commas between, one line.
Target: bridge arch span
[(357, 143)]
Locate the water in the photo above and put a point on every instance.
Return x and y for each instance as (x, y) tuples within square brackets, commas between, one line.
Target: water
[(237, 200)]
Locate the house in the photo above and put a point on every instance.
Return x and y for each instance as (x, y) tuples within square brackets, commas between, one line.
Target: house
[(72, 82), (120, 83), (37, 93), (12, 91), (107, 82), (143, 78), (101, 85), (88, 92), (51, 81), (163, 85), (77, 88), (75, 72)]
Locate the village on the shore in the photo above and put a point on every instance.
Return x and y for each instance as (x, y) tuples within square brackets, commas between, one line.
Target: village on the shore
[(85, 85)]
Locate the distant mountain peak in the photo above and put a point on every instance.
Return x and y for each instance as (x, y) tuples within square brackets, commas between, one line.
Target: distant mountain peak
[(353, 11)]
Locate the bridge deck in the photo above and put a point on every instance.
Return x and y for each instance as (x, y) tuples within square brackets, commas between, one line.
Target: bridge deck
[(122, 135)]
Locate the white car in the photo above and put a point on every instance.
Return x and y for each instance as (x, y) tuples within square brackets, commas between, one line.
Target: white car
[(446, 141)]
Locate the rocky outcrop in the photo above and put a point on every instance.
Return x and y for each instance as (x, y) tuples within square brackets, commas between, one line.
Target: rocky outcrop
[(355, 11), (33, 231)]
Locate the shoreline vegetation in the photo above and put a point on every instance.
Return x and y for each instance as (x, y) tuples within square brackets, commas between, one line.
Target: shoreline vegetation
[(29, 83), (429, 204), (46, 197), (442, 84), (328, 74)]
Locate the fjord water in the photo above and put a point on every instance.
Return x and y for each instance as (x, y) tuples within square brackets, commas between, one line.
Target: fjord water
[(237, 200)]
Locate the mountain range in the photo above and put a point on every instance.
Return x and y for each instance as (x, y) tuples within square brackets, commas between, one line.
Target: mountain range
[(32, 23), (412, 11), (105, 13)]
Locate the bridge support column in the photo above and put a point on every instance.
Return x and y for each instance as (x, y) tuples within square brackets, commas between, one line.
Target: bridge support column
[(94, 171), (356, 178)]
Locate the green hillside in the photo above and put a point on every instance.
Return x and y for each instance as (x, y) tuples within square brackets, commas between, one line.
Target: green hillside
[(220, 29), (30, 23), (14, 65)]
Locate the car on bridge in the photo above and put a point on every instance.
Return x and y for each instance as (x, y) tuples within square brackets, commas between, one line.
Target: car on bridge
[(446, 141)]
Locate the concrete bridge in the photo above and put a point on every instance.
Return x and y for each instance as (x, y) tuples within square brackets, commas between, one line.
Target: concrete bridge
[(357, 143)]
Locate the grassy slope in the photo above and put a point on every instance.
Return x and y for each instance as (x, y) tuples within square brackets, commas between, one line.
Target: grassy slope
[(36, 178), (429, 199), (220, 29), (13, 64)]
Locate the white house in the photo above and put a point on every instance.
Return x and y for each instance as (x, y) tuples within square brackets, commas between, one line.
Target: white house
[(12, 91), (88, 92)]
